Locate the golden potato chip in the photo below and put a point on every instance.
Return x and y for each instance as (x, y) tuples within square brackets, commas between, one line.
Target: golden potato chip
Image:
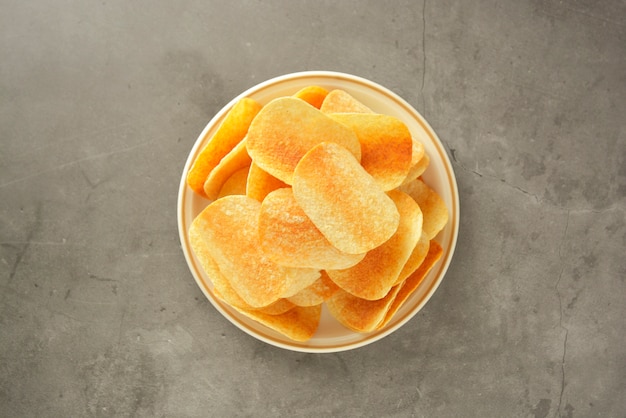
[(229, 227), (386, 146), (228, 135), (417, 154), (317, 293), (297, 279), (286, 129), (276, 308), (358, 314), (340, 101), (373, 277), (415, 259), (417, 151), (344, 202), (313, 95), (413, 281), (288, 237), (417, 169), (222, 288), (420, 159), (236, 184), (234, 161), (221, 284), (432, 205), (299, 323), (261, 183)]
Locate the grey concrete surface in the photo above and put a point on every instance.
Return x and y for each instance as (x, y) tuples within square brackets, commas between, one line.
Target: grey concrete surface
[(100, 103)]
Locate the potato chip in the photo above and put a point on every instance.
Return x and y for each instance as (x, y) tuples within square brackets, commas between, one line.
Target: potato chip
[(276, 308), (297, 279), (432, 205), (286, 129), (222, 288), (236, 184), (417, 151), (373, 277), (417, 154), (340, 101), (417, 169), (228, 135), (317, 293), (221, 284), (413, 281), (288, 237), (230, 230), (386, 146), (344, 202), (420, 159), (313, 95), (415, 259), (260, 183), (234, 161), (358, 314), (299, 323)]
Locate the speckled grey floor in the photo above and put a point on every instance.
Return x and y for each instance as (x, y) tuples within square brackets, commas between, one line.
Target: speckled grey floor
[(100, 103)]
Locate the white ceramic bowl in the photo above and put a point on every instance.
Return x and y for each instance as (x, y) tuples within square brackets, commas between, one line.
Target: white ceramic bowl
[(331, 336)]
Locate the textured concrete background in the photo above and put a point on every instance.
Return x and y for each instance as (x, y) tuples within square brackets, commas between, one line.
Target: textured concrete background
[(100, 103)]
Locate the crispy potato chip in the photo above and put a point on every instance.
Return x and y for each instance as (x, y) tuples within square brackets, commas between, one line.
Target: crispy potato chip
[(286, 129), (358, 314), (222, 287), (415, 259), (229, 227), (236, 184), (413, 281), (313, 95), (373, 277), (420, 159), (317, 293), (344, 202), (228, 135), (298, 279), (299, 323), (261, 183), (340, 101), (386, 146), (288, 237), (417, 151), (276, 308), (417, 154), (417, 169), (234, 161), (221, 284), (432, 205)]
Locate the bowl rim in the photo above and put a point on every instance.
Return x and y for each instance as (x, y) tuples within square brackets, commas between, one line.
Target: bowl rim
[(442, 265)]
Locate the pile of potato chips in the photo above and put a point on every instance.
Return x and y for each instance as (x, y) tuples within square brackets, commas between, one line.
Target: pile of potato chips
[(315, 199)]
